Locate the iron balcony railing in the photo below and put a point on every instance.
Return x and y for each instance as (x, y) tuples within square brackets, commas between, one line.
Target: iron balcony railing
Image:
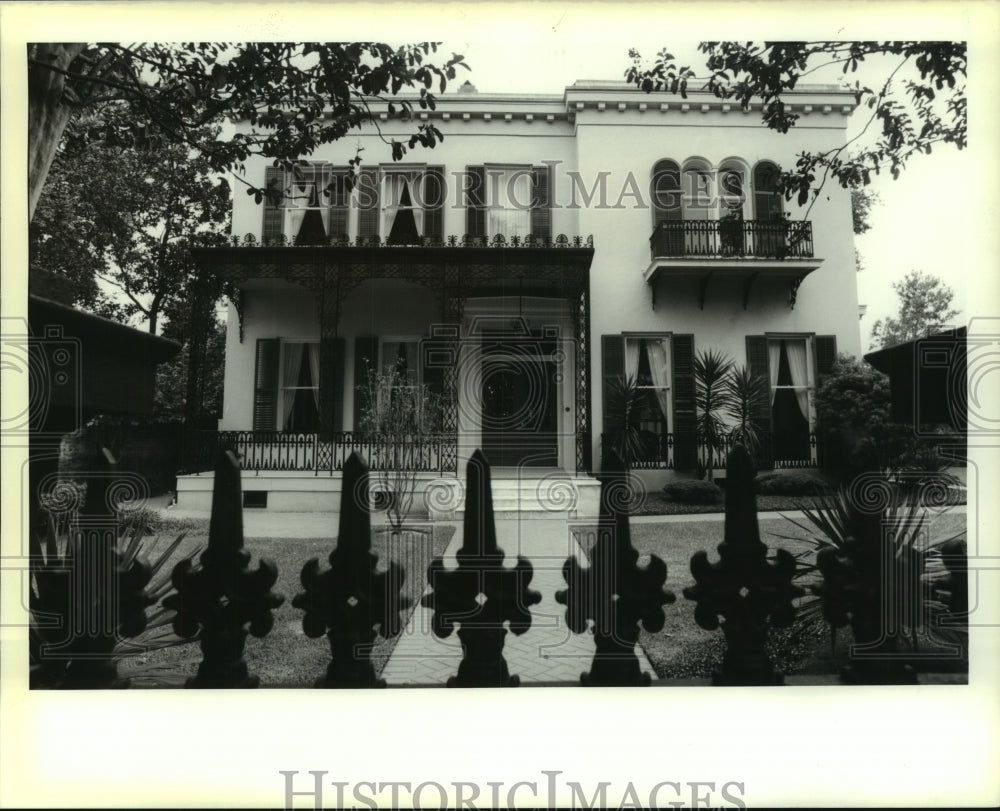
[(751, 239), (267, 451)]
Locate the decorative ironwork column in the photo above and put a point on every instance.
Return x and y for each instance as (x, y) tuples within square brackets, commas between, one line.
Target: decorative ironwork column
[(328, 303), (480, 595), (613, 591), (350, 600), (220, 597), (744, 588)]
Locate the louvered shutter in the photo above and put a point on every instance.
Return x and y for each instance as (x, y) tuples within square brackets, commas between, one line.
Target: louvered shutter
[(369, 212), (758, 364), (541, 203), (265, 385), (685, 422), (434, 194), (365, 358), (338, 198), (825, 347), (331, 384), (612, 366), (274, 187), (475, 208)]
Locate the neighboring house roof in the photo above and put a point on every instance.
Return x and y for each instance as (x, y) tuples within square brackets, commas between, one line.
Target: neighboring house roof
[(927, 377), (107, 368)]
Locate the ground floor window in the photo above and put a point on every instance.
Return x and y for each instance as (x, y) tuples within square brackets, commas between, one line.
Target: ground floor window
[(790, 385), (299, 386), (647, 361)]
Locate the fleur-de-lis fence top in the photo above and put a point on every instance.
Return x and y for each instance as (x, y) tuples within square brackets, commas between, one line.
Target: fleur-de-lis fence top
[(221, 597), (613, 591), (744, 588), (350, 600), (480, 594)]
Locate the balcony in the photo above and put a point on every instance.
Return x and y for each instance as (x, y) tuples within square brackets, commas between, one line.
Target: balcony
[(742, 250)]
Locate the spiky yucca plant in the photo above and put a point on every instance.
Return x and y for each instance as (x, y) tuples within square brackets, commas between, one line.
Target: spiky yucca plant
[(711, 370), (623, 410), (52, 606), (745, 395), (851, 576)]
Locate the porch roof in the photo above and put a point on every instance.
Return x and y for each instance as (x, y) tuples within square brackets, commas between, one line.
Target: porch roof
[(466, 263)]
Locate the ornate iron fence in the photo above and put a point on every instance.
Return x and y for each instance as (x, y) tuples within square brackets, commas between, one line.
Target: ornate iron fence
[(266, 451), (732, 238)]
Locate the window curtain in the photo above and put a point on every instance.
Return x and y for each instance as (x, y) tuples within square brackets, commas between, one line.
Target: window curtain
[(773, 362), (399, 189), (796, 352), (658, 350), (303, 195), (314, 372), (509, 199), (290, 378), (632, 346)]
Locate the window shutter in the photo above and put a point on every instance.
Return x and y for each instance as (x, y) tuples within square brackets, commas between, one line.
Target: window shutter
[(541, 203), (274, 186), (338, 206), (265, 385), (685, 422), (758, 364), (331, 384), (475, 208), (612, 366), (434, 194), (365, 358), (667, 192), (369, 212), (825, 347)]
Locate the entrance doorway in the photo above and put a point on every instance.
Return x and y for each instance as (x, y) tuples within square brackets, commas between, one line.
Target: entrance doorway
[(519, 400)]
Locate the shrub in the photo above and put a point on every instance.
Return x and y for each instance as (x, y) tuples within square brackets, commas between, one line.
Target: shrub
[(692, 491), (789, 483)]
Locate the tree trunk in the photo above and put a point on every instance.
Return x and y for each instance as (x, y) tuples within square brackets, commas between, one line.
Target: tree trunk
[(47, 114)]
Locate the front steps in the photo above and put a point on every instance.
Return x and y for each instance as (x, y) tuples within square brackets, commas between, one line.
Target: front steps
[(540, 493)]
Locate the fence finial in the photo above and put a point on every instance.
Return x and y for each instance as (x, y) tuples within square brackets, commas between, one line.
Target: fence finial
[(743, 587), (220, 597), (613, 591), (350, 600), (480, 595)]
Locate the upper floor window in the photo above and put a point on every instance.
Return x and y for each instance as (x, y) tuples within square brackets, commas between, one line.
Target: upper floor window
[(311, 204), (508, 200)]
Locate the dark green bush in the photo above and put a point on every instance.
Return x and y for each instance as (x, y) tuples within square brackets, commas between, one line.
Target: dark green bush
[(692, 491), (789, 483)]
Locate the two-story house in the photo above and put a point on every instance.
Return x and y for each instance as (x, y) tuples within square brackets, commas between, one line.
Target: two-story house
[(548, 245)]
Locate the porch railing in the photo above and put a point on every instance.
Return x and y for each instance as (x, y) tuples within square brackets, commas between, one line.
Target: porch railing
[(269, 451), (732, 238), (658, 454)]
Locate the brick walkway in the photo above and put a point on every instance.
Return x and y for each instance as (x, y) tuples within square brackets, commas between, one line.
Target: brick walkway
[(548, 652)]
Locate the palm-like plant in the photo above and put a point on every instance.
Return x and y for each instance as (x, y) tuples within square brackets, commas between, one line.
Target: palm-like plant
[(53, 605), (853, 575), (745, 395), (624, 410), (711, 370)]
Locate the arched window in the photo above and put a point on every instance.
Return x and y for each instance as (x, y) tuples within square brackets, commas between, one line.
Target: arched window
[(666, 197), (766, 197), (770, 237), (699, 206)]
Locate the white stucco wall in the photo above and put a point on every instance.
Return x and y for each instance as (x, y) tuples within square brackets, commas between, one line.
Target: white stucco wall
[(587, 141)]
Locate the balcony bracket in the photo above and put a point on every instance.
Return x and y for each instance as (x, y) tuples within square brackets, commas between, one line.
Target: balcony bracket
[(652, 296), (239, 304), (793, 291), (746, 288), (702, 289)]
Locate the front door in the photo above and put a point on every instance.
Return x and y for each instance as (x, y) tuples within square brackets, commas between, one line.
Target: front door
[(519, 401)]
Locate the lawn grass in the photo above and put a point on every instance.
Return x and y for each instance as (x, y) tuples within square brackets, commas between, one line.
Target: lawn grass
[(684, 650), (286, 657)]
